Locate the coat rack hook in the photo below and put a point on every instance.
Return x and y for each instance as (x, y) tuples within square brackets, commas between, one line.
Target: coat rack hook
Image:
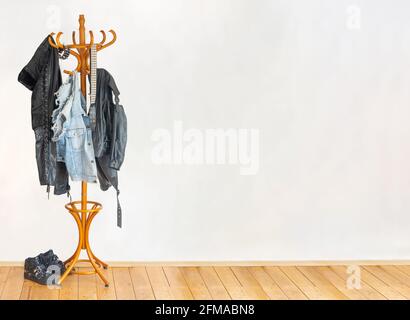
[(91, 38), (59, 44), (73, 36), (55, 43), (114, 38), (51, 40), (103, 39)]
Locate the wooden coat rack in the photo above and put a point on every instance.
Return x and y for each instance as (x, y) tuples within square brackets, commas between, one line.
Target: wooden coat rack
[(89, 209)]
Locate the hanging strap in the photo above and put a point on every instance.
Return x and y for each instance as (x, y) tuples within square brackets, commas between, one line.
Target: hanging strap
[(119, 210), (93, 73), (93, 87), (117, 102)]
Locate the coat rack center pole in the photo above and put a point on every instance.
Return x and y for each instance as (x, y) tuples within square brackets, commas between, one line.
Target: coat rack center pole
[(83, 55)]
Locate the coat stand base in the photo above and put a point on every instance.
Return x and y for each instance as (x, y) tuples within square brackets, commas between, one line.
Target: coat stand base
[(83, 218)]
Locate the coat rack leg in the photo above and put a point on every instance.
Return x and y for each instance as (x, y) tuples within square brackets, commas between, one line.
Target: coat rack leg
[(79, 246), (88, 249), (70, 264)]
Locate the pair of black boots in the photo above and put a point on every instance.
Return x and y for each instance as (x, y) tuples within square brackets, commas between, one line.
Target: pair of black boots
[(39, 269)]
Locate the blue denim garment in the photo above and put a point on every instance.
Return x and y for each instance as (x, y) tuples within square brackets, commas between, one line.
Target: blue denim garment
[(72, 132)]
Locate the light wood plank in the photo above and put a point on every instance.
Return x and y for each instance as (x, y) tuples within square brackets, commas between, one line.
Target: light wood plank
[(195, 283), (403, 269), (267, 284), (285, 284), (389, 280), (87, 285), (43, 292), (4, 272), (249, 283), (177, 283), (368, 280), (325, 287), (365, 289), (231, 283), (380, 286), (214, 284), (123, 284), (141, 283), (397, 272), (26, 290), (304, 284), (340, 284), (14, 284), (103, 292), (159, 283), (70, 288)]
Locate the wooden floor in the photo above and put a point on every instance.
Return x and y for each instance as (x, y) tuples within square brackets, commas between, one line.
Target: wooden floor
[(327, 282)]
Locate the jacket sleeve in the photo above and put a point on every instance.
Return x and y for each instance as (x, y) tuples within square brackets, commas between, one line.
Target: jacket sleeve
[(119, 137), (27, 79), (119, 130), (32, 71)]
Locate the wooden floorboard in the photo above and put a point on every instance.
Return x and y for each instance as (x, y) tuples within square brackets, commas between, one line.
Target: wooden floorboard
[(272, 290), (196, 283), (214, 284), (70, 290), (369, 292), (340, 283), (87, 286), (159, 283), (285, 284), (123, 284), (103, 292), (219, 283), (251, 286), (141, 284), (329, 290), (231, 283), (179, 287), (13, 285)]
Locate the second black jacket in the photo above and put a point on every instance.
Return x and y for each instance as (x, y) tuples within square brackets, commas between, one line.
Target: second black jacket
[(109, 134)]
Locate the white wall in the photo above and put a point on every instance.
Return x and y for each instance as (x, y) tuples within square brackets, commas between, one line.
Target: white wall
[(331, 103)]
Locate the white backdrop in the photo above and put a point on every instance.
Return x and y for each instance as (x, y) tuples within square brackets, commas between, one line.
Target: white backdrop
[(325, 82)]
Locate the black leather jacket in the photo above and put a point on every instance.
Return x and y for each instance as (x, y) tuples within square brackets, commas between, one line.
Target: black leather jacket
[(109, 134), (43, 77)]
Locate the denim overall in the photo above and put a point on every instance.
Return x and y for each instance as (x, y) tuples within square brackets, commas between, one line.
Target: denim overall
[(72, 132)]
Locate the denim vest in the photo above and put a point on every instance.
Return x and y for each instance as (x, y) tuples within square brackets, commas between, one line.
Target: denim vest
[(72, 132)]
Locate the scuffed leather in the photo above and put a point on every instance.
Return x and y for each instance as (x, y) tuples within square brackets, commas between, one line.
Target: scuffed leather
[(43, 77)]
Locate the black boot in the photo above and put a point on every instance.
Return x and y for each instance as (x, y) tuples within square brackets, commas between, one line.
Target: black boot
[(40, 268)]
